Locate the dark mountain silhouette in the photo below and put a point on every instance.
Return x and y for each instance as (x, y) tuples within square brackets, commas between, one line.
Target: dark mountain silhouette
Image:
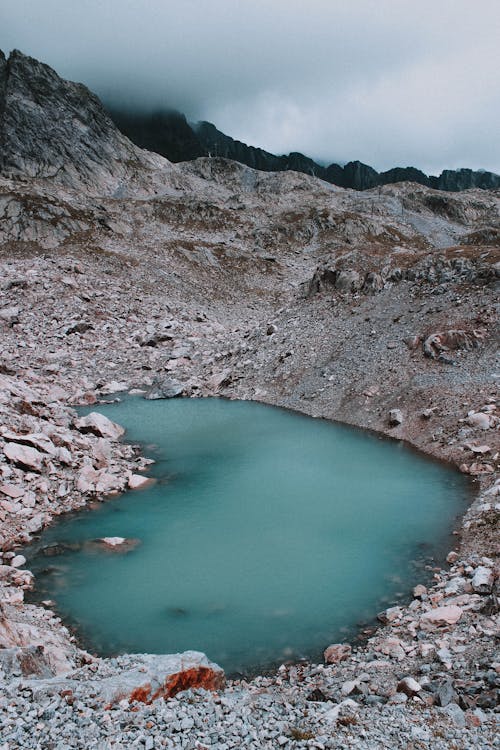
[(168, 133)]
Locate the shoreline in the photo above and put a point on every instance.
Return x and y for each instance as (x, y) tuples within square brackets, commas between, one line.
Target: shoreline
[(475, 493), (358, 633)]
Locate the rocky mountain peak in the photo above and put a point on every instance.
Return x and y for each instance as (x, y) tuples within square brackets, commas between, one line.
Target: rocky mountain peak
[(54, 129)]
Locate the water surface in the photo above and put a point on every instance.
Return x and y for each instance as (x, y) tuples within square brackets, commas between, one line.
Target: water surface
[(267, 536)]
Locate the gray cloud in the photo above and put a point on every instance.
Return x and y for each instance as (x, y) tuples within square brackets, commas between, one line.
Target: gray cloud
[(390, 82)]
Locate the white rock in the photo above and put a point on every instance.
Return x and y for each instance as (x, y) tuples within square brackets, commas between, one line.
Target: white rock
[(333, 714), (18, 561), (409, 686), (113, 541), (11, 490), (442, 615), (479, 420), (395, 417), (482, 581), (136, 481), (25, 456), (99, 425)]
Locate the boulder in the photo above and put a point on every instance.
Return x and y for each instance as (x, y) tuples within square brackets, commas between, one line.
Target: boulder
[(337, 652), (58, 651), (482, 580), (448, 615), (348, 281), (164, 388), (29, 661), (164, 677), (99, 481), (9, 315), (480, 420), (409, 686), (18, 561), (24, 456), (220, 379), (117, 543), (137, 481), (395, 417), (148, 678), (99, 425), (392, 647), (443, 341), (373, 283), (37, 440)]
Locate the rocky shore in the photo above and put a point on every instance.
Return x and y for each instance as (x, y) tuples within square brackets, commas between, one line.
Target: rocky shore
[(207, 278)]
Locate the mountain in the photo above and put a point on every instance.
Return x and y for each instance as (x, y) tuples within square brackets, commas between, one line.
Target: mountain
[(58, 130), (169, 134)]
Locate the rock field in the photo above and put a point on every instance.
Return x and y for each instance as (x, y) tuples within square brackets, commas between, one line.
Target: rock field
[(377, 309)]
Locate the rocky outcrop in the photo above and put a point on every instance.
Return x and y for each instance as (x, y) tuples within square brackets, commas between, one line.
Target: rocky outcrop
[(58, 130)]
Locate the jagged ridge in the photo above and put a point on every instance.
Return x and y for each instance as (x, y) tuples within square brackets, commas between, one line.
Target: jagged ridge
[(169, 134)]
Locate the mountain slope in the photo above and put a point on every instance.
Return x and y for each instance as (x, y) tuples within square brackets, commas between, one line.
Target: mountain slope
[(56, 129)]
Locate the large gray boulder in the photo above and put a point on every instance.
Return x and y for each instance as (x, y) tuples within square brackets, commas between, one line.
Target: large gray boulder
[(164, 388)]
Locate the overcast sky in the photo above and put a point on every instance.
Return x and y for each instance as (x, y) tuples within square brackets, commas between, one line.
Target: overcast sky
[(389, 82)]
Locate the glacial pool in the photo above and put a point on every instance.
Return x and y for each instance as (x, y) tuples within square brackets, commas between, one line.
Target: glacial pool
[(267, 535)]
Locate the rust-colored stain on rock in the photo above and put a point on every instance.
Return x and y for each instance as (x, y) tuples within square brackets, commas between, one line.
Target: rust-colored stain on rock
[(196, 677), (141, 694)]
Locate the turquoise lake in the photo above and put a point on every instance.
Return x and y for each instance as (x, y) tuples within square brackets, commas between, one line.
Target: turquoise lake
[(267, 536)]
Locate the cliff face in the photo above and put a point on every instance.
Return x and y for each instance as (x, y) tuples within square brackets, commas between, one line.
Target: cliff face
[(52, 128), (166, 133)]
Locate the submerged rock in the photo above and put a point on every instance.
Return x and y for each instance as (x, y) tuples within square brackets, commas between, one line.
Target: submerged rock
[(117, 543)]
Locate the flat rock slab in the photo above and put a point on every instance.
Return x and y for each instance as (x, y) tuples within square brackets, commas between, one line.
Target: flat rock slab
[(151, 677), (442, 615), (99, 425), (24, 456)]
